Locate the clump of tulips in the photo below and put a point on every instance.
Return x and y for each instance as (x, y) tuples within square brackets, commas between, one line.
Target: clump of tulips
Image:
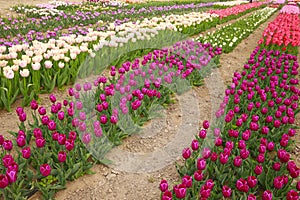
[(44, 154), (283, 33), (245, 154), (137, 91)]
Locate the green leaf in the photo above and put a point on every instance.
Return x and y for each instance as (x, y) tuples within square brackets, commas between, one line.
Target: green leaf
[(106, 161), (53, 83), (15, 95), (58, 187)]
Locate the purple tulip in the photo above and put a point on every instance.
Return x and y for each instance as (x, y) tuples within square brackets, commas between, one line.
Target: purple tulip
[(7, 145), (26, 152), (86, 138), (45, 170), (163, 185)]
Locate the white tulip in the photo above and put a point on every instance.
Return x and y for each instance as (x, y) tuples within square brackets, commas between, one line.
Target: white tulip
[(24, 73), (61, 65), (66, 59), (36, 66)]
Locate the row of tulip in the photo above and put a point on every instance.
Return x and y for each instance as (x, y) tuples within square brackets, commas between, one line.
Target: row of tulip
[(283, 33), (245, 152), (235, 10), (66, 20), (193, 19), (52, 148), (290, 9), (229, 36), (279, 1), (231, 3), (31, 69), (56, 7)]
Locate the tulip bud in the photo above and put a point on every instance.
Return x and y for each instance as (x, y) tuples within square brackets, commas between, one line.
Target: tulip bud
[(163, 185)]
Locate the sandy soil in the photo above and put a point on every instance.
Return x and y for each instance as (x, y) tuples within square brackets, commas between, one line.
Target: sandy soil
[(112, 183)]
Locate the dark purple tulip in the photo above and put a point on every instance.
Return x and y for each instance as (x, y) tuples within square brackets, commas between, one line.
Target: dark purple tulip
[(86, 138), (61, 115), (223, 158), (195, 145), (26, 152), (205, 124), (163, 185), (21, 141), (62, 156), (69, 144), (45, 120), (7, 160), (237, 162), (244, 153), (258, 169), (40, 142), (71, 92), (202, 134), (52, 98), (42, 110), (11, 175), (180, 191), (186, 153), (61, 139), (45, 170), (51, 125), (187, 181), (7, 145), (103, 119), (22, 117), (19, 110), (226, 191), (241, 144), (34, 105)]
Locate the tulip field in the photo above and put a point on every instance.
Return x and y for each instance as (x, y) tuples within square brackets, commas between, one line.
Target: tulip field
[(150, 100)]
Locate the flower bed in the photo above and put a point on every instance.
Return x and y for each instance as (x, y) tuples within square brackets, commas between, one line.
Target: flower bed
[(229, 36), (52, 148), (290, 9), (230, 3), (90, 19), (48, 64), (250, 156), (62, 19), (245, 152), (279, 2), (236, 9), (282, 34)]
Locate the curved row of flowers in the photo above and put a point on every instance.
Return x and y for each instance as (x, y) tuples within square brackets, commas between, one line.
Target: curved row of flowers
[(31, 69), (52, 148), (252, 135)]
